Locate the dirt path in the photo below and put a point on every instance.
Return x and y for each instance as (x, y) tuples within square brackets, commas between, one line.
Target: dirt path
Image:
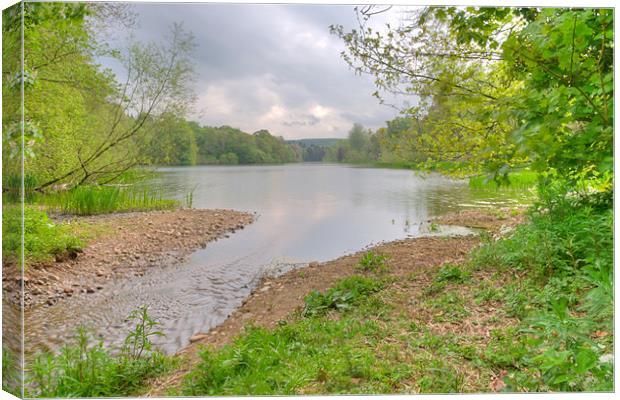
[(276, 299), (124, 245)]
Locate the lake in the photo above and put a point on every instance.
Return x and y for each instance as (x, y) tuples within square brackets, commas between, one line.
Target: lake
[(305, 213)]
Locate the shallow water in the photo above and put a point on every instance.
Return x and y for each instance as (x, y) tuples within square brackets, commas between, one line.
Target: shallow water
[(306, 212)]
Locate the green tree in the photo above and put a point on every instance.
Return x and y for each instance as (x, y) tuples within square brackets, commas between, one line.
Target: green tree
[(499, 88)]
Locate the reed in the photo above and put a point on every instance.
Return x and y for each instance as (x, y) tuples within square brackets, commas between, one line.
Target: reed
[(519, 180), (105, 199)]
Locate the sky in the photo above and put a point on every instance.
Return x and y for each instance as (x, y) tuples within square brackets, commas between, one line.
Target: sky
[(272, 67)]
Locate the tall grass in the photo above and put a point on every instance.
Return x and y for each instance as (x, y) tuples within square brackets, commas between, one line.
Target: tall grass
[(91, 200), (43, 239), (519, 180), (12, 185)]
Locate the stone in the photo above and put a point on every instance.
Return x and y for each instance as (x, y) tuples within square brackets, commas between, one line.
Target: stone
[(197, 337)]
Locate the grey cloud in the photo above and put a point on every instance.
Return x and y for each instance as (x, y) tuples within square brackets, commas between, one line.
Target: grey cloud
[(252, 58), (308, 121)]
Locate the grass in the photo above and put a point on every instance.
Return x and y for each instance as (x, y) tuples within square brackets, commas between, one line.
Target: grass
[(372, 262), (83, 370), (43, 239), (11, 375), (91, 200), (519, 180)]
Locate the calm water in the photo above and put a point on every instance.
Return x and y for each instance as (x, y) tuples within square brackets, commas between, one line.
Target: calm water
[(306, 212)]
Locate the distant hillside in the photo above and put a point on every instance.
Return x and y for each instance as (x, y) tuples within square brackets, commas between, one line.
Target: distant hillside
[(323, 142)]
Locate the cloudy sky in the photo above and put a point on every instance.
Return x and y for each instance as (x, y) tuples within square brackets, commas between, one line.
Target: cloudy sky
[(272, 67)]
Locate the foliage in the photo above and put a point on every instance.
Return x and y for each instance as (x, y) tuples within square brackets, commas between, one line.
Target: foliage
[(499, 87), (43, 238), (376, 263), (81, 125), (566, 253), (83, 370), (514, 180), (176, 141), (90, 200), (308, 355), (341, 296)]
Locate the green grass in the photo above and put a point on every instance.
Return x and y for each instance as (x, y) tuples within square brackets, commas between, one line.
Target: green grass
[(91, 200), (315, 353), (84, 370), (43, 239), (519, 180), (372, 262), (11, 376)]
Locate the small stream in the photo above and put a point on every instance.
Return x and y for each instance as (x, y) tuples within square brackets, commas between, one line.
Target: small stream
[(306, 213)]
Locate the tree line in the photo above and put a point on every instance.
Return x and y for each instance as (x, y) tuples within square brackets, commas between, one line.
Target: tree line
[(176, 141)]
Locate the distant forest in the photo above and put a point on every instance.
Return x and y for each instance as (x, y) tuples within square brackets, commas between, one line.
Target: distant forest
[(182, 142)]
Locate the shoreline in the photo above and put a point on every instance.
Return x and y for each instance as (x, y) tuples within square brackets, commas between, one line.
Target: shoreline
[(278, 299), (124, 244)]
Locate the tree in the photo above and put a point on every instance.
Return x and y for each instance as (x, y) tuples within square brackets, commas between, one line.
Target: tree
[(83, 125), (499, 88), (157, 82)]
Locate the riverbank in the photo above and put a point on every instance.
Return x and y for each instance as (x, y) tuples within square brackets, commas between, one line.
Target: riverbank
[(412, 266), (119, 245)]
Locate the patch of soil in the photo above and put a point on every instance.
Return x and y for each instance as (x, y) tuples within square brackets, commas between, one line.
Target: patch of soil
[(276, 299), (496, 220), (129, 245)]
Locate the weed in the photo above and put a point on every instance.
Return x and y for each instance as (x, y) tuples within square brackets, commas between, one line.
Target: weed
[(81, 370), (451, 273), (189, 198), (11, 376), (342, 296), (376, 263)]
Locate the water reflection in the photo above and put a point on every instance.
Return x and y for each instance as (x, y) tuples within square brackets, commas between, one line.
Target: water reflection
[(305, 213)]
